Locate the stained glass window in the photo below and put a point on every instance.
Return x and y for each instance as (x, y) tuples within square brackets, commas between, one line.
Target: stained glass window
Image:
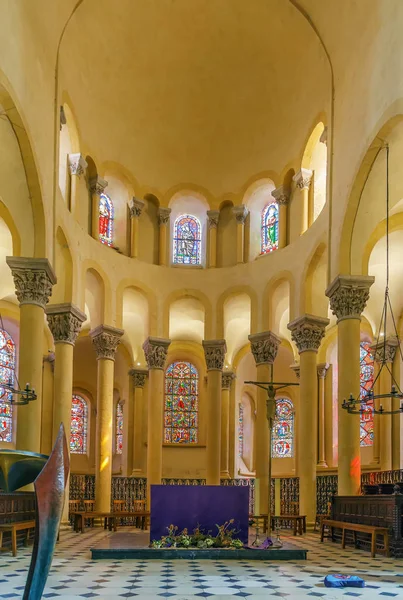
[(105, 220), (119, 428), (187, 241), (366, 381), (79, 424), (282, 444), (269, 233), (240, 431), (181, 403), (7, 373)]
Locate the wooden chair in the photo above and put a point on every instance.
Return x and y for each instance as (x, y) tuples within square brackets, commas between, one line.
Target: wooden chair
[(74, 506), (89, 506), (139, 506), (322, 517), (118, 505)]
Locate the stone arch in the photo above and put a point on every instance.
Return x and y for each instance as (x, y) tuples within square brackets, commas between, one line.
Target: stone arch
[(188, 294), (63, 289), (280, 283), (313, 283)]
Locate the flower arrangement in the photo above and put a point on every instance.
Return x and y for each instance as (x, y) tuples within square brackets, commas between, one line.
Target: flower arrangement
[(199, 539)]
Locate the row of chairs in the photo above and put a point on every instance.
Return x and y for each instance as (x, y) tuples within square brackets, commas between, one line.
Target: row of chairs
[(117, 506)]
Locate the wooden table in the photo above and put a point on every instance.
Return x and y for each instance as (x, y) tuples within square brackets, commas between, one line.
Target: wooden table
[(110, 518), (260, 519), (298, 521)]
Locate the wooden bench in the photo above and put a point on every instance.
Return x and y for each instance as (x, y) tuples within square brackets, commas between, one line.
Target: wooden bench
[(356, 527), (13, 528)]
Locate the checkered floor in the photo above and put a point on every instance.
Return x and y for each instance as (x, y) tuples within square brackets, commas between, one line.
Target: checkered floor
[(75, 575)]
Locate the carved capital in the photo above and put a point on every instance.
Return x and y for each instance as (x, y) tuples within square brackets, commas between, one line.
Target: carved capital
[(139, 377), (163, 215), (240, 213), (77, 164), (212, 218), (135, 207), (297, 369), (281, 194), (214, 353), (385, 351), (303, 179), (106, 340), (307, 332), (65, 322), (348, 295), (227, 379), (264, 347), (33, 279), (97, 185), (322, 370), (155, 351)]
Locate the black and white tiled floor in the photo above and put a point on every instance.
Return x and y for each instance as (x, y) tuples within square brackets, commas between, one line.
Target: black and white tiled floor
[(75, 575)]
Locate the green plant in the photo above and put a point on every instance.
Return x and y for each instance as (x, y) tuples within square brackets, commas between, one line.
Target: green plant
[(200, 539)]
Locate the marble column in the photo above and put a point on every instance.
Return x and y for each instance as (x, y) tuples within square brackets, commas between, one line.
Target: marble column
[(47, 402), (138, 379), (282, 197), (307, 332), (97, 187), (212, 221), (214, 352), (303, 181), (135, 208), (227, 378), (77, 166), (106, 340), (240, 212), (322, 371), (163, 221), (33, 280), (264, 348), (348, 296), (155, 352)]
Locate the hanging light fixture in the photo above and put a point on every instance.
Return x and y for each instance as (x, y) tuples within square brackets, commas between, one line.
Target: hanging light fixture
[(366, 403)]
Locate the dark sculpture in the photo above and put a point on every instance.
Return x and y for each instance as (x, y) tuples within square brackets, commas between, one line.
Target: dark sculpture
[(19, 468)]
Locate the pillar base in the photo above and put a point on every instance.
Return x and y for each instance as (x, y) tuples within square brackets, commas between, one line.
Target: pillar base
[(137, 473), (225, 475), (65, 526), (322, 463)]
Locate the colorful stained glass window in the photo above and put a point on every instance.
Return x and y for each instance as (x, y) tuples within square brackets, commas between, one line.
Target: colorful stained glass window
[(282, 443), (366, 381), (187, 241), (119, 428), (79, 424), (105, 220), (181, 403), (269, 233), (7, 374), (240, 431)]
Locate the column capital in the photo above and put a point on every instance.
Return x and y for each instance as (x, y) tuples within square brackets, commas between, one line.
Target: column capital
[(227, 379), (156, 350), (214, 353), (212, 218), (135, 207), (97, 185), (240, 212), (65, 322), (307, 332), (163, 215), (33, 279), (281, 194), (139, 377), (77, 164), (106, 340), (297, 369), (348, 295), (303, 179), (322, 370), (385, 351), (264, 347)]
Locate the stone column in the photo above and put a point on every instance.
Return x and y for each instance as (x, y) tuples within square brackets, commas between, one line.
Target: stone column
[(303, 180), (348, 296), (227, 378), (163, 220), (97, 187), (47, 402), (136, 206), (282, 197), (307, 333), (77, 165), (384, 354), (33, 280), (322, 370), (138, 379), (212, 221), (155, 351), (397, 439), (240, 212), (106, 340), (329, 421), (264, 348), (214, 352)]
